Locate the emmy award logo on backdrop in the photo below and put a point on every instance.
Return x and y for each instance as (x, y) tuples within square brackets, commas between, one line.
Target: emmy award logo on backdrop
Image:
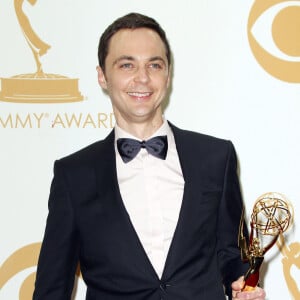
[(271, 216), (38, 87)]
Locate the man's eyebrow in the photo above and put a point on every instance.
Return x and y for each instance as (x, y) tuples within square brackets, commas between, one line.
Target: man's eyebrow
[(154, 58), (131, 58)]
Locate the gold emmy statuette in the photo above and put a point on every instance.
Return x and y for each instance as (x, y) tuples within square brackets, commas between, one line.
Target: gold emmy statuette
[(38, 87), (271, 216)]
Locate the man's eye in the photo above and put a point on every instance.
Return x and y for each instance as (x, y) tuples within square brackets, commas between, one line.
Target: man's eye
[(126, 66), (156, 66)]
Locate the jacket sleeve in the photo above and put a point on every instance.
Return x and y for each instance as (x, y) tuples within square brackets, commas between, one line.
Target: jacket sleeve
[(59, 253), (230, 213)]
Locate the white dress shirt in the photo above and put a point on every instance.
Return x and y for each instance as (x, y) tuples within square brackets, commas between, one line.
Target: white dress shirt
[(152, 191)]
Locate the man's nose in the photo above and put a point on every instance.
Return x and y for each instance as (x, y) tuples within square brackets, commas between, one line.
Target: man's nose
[(142, 75)]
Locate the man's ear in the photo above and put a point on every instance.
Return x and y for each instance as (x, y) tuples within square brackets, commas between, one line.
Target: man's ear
[(169, 76), (101, 78)]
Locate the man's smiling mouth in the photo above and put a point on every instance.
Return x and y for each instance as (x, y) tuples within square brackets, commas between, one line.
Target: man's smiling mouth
[(139, 94)]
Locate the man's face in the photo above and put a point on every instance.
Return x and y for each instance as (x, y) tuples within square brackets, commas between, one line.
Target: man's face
[(136, 75)]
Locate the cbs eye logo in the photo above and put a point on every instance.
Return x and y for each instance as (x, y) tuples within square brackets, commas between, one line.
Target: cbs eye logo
[(274, 37), (23, 262)]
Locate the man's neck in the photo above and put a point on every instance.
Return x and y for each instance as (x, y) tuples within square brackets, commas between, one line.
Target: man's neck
[(141, 130)]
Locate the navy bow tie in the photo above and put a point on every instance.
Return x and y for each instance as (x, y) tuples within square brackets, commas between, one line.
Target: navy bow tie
[(129, 148)]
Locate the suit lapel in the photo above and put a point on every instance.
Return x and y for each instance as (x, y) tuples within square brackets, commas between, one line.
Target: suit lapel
[(107, 180), (183, 154)]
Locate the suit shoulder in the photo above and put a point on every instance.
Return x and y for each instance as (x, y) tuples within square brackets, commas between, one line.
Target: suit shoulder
[(91, 152), (200, 139)]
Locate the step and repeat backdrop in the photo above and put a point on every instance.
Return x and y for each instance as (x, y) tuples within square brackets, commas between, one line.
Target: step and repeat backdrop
[(236, 75)]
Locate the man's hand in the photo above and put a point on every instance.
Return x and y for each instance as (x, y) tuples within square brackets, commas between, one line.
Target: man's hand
[(257, 294)]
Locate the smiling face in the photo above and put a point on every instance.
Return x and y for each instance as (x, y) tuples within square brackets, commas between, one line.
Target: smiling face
[(136, 76)]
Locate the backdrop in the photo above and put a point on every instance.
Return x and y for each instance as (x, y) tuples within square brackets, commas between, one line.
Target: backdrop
[(236, 76)]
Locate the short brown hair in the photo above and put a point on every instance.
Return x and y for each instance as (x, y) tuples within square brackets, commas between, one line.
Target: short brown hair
[(130, 21)]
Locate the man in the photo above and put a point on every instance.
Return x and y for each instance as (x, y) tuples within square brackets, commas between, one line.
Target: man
[(151, 212)]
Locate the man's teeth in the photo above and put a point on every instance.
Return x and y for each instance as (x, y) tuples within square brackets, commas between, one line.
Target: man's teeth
[(139, 94)]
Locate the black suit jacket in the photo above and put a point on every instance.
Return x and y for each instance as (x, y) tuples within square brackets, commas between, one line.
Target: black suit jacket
[(88, 222)]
